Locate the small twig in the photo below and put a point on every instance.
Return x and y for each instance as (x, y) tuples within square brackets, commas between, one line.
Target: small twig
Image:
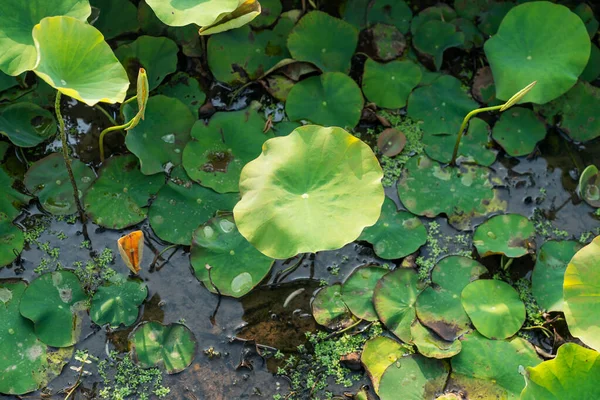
[(212, 318), (159, 255)]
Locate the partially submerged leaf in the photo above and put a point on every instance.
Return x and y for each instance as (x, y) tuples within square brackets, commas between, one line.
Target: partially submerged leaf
[(11, 240), (391, 142), (510, 234), (117, 302), (329, 309), (27, 124), (357, 291)]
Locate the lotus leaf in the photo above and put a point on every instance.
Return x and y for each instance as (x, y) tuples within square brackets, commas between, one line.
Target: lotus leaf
[(117, 302), (120, 195), (11, 240), (286, 205), (494, 307), (11, 199), (391, 142), (245, 13), (434, 37), (572, 375), (40, 94), (17, 48), (510, 234), (586, 14), (430, 344), (592, 70), (74, 59), (472, 8), (7, 81), (441, 106), (27, 124), (439, 307), (116, 17), (357, 291), (440, 12), (317, 39), (4, 146), (171, 346), (518, 53), (222, 258), (331, 99), (388, 85), (549, 272), (355, 12), (390, 12), (589, 186), (270, 11), (518, 131), (48, 179), (55, 303), (219, 150), (581, 291), (181, 13), (382, 42), (490, 19), (180, 193), (415, 377), (185, 88), (329, 309), (378, 354), (472, 36)]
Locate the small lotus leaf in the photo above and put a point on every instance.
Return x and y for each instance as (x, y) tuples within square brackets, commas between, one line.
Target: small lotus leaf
[(117, 302), (329, 309), (518, 53), (357, 291), (390, 12), (11, 199), (247, 11), (382, 42), (518, 131), (55, 303), (388, 85), (171, 346), (11, 240), (120, 195), (391, 142), (414, 377), (490, 19), (116, 17), (510, 234), (592, 70), (286, 205), (378, 354), (236, 267), (74, 59), (549, 272), (26, 124), (434, 37), (472, 36), (181, 13), (430, 344), (317, 39), (586, 13), (494, 307), (186, 89), (331, 99), (589, 186), (270, 11), (355, 12), (440, 12), (471, 8)]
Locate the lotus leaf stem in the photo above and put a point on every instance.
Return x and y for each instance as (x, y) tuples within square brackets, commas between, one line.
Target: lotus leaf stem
[(106, 114), (463, 126), (123, 106), (104, 132)]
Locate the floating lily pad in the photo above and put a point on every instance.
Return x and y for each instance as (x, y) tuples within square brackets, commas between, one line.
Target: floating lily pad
[(464, 193), (415, 377), (317, 39), (572, 375), (120, 195), (27, 124), (55, 303), (472, 36), (236, 267), (518, 131), (441, 106), (391, 142), (176, 13), (549, 272), (357, 291), (48, 179), (494, 307), (329, 309), (471, 8), (440, 12), (388, 85), (11, 199), (270, 10), (218, 151), (390, 12), (518, 53), (173, 346), (11, 240), (439, 306), (286, 206), (158, 141), (592, 69), (430, 344), (589, 186), (378, 354), (581, 291), (331, 99), (490, 19), (586, 13), (434, 37), (184, 88), (18, 19), (396, 234), (118, 301), (511, 234), (382, 42), (116, 17), (75, 59)]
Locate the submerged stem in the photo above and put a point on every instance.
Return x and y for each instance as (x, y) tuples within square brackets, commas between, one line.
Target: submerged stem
[(463, 126)]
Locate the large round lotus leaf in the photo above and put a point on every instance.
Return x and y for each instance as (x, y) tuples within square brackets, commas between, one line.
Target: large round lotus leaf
[(581, 291), (160, 138), (27, 124), (441, 106), (185, 88), (388, 85), (432, 345), (518, 53), (18, 19), (157, 55), (116, 17), (434, 37), (218, 152), (117, 302), (172, 346), (269, 12), (549, 273), (394, 299), (490, 369), (331, 99), (74, 59), (510, 234), (48, 179), (120, 195), (11, 199), (396, 234), (494, 307), (236, 267), (426, 188), (55, 302), (323, 40), (592, 69), (378, 354), (518, 131), (181, 205), (11, 240), (474, 147), (357, 291), (301, 194), (181, 13), (439, 306), (329, 309), (414, 378), (572, 375), (390, 12)]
